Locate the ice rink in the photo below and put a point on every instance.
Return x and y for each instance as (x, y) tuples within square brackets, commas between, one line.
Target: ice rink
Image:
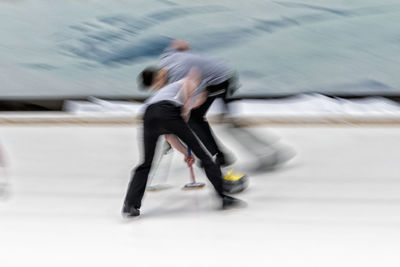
[(336, 203)]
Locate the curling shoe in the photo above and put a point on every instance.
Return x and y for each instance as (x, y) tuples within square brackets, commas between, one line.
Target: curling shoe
[(130, 211), (231, 202)]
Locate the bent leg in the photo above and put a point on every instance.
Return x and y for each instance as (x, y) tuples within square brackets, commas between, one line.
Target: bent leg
[(201, 127), (213, 172)]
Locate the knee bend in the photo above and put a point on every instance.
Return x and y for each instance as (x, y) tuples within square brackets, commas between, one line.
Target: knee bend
[(143, 166), (207, 163)]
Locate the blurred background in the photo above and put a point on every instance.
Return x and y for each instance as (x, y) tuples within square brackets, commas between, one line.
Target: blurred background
[(318, 102), (74, 49)]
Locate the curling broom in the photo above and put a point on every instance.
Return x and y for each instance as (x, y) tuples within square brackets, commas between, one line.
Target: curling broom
[(193, 185)]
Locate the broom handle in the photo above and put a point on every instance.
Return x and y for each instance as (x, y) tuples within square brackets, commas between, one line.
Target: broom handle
[(191, 168)]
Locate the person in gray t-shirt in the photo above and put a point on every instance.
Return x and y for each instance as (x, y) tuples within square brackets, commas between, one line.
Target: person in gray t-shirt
[(217, 81)]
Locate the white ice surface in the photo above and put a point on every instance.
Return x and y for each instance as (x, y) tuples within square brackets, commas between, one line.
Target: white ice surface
[(335, 204)]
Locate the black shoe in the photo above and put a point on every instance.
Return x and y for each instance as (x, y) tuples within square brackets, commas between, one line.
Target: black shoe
[(231, 202), (129, 211)]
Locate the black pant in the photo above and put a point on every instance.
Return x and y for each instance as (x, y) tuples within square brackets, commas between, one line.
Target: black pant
[(199, 123), (165, 118)]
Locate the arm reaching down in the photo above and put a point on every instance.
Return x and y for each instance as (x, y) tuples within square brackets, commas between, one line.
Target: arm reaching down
[(189, 87), (160, 80), (200, 99), (177, 144)]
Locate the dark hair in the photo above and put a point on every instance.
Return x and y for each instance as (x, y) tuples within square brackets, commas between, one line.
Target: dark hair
[(146, 77)]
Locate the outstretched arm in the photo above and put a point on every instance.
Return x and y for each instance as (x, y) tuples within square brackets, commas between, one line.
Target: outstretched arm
[(190, 84), (160, 80), (177, 144), (201, 99)]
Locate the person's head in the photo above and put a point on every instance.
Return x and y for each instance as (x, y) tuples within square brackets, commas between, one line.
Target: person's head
[(180, 45), (147, 77)]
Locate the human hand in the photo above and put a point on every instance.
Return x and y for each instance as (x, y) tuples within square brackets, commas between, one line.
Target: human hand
[(189, 160)]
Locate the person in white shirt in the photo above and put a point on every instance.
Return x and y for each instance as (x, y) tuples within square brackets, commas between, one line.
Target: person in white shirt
[(166, 113)]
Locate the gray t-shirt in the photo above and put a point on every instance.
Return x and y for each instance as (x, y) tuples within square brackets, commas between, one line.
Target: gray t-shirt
[(179, 63)]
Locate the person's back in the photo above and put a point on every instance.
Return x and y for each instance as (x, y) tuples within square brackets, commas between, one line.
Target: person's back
[(170, 93), (178, 63), (217, 81)]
